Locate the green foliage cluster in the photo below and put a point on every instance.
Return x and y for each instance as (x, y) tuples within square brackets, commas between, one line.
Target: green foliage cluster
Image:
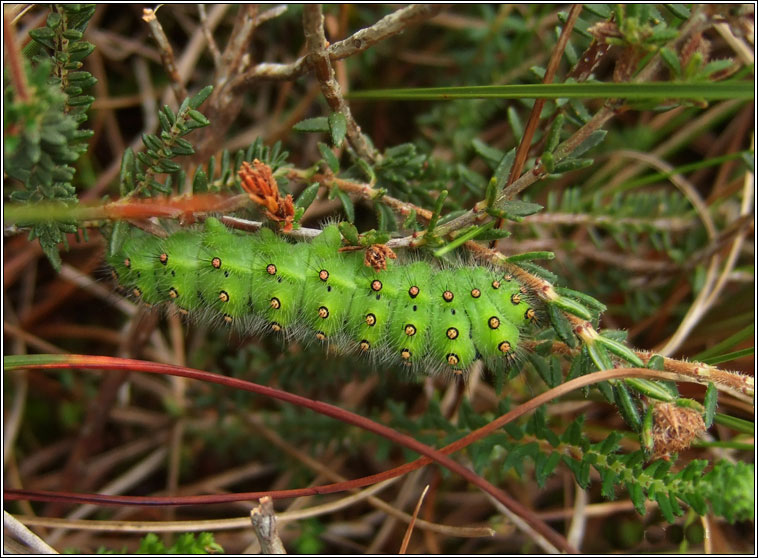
[(727, 488), (42, 137), (138, 171), (186, 543)]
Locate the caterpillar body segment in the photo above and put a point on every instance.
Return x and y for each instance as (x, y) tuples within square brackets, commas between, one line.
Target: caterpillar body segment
[(412, 314)]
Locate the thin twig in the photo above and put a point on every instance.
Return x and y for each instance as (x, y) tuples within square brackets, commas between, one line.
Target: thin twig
[(212, 46), (358, 42), (319, 61), (22, 532), (409, 530), (167, 54)]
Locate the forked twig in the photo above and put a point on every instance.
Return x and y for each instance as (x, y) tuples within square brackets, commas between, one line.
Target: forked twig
[(263, 519)]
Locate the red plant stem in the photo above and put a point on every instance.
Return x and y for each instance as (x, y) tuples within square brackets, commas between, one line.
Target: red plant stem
[(111, 363), (14, 60)]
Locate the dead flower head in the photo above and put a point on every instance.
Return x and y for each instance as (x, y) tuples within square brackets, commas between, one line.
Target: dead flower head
[(674, 429), (259, 183), (377, 255)]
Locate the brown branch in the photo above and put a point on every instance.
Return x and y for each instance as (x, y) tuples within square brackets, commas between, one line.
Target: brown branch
[(318, 60), (263, 519), (386, 27), (167, 53), (212, 46), (534, 117)]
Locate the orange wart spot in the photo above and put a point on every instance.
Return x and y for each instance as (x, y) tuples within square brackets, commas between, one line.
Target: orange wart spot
[(184, 311), (508, 277), (137, 292), (365, 345), (228, 319), (370, 320), (271, 269), (216, 262), (452, 359), (504, 347), (323, 275), (323, 312), (259, 183), (531, 315), (522, 289), (114, 274), (452, 333), (447, 296), (410, 330), (223, 296), (516, 298), (414, 291), (275, 303), (493, 322), (127, 262), (173, 293), (275, 326), (163, 258), (476, 293), (376, 285), (321, 336), (406, 354), (496, 284)]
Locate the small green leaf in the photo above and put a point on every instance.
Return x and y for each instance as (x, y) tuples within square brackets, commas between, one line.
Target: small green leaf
[(350, 233), (665, 506), (571, 164), (595, 138), (43, 36), (200, 181), (650, 388), (561, 325), (337, 127), (599, 356), (520, 208), (646, 432), (710, 402), (199, 98), (554, 136), (672, 61), (581, 297), (53, 19), (621, 350), (627, 407), (347, 204), (318, 124), (637, 496), (306, 197), (572, 307), (329, 157), (198, 117), (656, 362), (529, 256)]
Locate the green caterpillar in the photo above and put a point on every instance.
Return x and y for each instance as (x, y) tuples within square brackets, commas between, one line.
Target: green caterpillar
[(413, 314)]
